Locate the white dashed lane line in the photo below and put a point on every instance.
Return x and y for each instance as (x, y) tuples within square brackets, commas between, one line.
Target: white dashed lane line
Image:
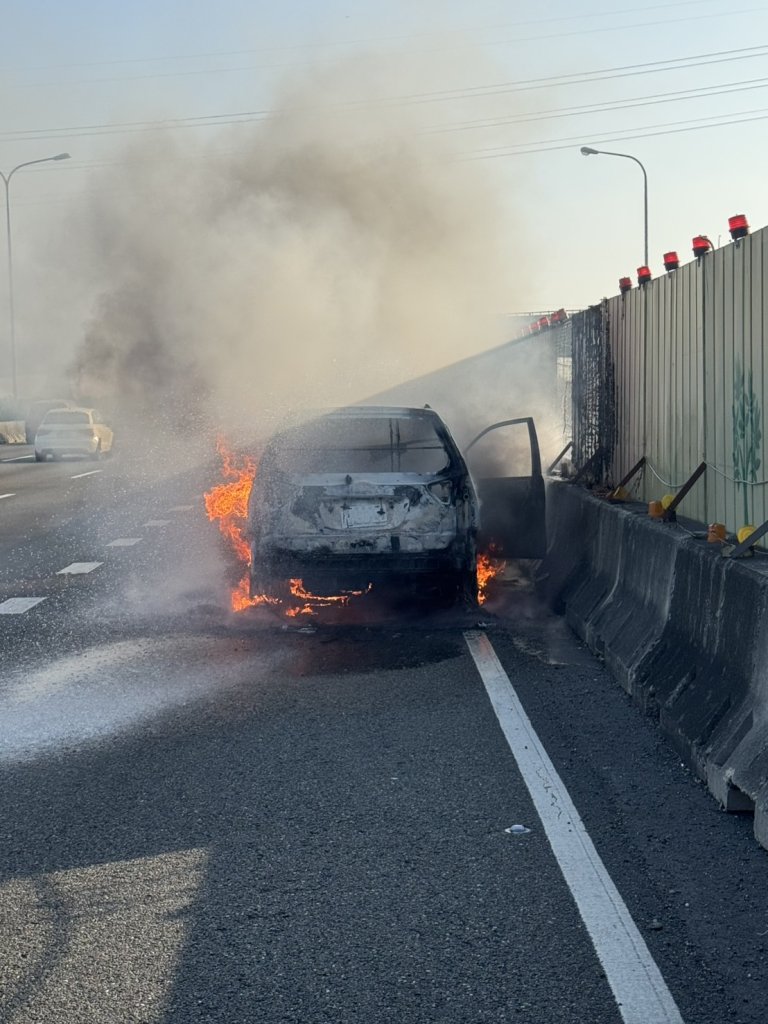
[(79, 568), (19, 458), (18, 605), (91, 472)]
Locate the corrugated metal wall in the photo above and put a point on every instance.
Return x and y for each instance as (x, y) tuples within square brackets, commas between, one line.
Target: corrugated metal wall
[(690, 383)]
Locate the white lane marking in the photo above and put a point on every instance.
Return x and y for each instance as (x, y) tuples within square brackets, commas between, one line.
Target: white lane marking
[(11, 495), (91, 472), (180, 508), (79, 568), (123, 542), (156, 522), (18, 605), (636, 982), (19, 458)]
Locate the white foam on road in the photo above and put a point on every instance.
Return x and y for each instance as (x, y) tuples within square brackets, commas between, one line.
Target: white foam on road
[(123, 542), (156, 522), (91, 472), (96, 693), (19, 605), (79, 568), (636, 982)]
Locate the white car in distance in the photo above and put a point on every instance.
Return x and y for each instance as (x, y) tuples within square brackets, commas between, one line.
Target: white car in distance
[(78, 431)]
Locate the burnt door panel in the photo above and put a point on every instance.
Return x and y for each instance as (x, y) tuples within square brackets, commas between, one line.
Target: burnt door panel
[(512, 507)]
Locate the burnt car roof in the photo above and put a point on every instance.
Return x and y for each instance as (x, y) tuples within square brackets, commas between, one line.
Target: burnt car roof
[(359, 412), (384, 411)]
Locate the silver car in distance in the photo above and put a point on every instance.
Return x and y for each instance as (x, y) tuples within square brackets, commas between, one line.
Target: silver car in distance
[(77, 431)]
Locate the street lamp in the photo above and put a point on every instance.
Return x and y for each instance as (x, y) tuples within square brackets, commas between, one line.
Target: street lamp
[(7, 182), (588, 151)]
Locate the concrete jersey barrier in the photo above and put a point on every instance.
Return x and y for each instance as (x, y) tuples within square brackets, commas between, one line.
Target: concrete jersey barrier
[(684, 630)]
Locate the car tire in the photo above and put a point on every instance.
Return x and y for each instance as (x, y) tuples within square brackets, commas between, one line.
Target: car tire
[(466, 596), (39, 456)]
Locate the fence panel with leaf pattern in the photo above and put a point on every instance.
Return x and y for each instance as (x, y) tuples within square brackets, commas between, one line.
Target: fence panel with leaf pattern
[(689, 381)]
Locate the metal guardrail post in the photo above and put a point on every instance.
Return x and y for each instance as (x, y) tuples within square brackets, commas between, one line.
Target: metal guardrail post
[(749, 542), (589, 465), (560, 457), (670, 513)]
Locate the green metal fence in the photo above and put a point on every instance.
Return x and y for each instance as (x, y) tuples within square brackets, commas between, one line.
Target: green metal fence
[(676, 371)]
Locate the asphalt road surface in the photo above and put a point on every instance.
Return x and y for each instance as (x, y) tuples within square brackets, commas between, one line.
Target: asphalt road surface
[(244, 818)]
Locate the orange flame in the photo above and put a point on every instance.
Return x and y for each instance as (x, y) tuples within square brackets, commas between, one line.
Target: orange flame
[(313, 601), (241, 598), (227, 504), (488, 568)]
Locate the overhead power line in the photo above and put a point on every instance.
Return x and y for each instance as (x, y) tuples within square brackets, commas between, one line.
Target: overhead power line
[(249, 116), (252, 116), (627, 135), (601, 75), (357, 42), (438, 49), (608, 106), (547, 146)]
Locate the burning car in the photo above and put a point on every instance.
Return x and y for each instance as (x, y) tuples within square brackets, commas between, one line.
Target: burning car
[(363, 496)]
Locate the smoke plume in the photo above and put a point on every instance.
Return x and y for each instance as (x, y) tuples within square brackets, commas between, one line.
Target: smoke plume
[(318, 255)]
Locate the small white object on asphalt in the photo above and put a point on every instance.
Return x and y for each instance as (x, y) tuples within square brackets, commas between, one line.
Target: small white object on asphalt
[(11, 495), (517, 830), (123, 542), (156, 522), (79, 568), (18, 605), (91, 472), (180, 508)]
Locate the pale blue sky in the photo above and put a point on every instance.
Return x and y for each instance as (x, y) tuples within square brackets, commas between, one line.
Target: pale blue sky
[(577, 222)]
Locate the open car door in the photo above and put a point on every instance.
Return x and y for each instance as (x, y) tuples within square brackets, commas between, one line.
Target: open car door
[(506, 468)]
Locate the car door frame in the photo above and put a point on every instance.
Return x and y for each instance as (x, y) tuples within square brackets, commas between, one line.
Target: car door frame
[(514, 523)]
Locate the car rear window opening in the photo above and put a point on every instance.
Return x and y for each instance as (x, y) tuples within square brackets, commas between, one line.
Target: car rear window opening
[(376, 445)]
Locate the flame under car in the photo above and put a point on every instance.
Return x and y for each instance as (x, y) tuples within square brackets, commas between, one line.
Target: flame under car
[(365, 496)]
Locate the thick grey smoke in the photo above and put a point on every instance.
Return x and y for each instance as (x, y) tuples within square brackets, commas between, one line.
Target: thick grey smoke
[(310, 259)]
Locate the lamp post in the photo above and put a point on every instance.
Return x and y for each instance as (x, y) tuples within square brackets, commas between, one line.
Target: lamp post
[(7, 182), (588, 151)]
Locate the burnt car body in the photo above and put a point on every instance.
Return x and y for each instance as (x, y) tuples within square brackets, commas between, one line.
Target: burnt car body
[(363, 496)]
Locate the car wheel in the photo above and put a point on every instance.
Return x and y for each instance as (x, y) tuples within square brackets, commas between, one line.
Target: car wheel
[(466, 595), (39, 456)]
